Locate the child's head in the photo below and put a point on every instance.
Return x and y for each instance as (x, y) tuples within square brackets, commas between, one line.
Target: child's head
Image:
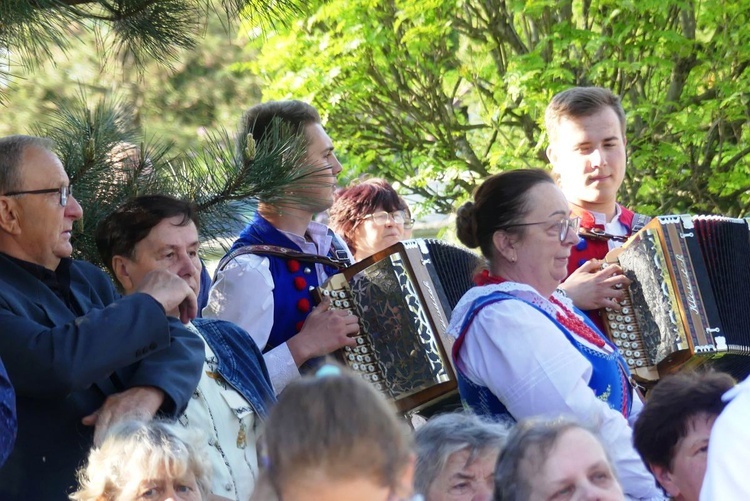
[(334, 437)]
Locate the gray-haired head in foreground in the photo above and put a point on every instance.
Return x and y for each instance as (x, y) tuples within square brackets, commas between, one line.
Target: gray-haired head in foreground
[(446, 434), (141, 449), (529, 443)]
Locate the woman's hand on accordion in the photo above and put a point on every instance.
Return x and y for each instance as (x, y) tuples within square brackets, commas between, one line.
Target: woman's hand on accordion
[(325, 330), (591, 287)]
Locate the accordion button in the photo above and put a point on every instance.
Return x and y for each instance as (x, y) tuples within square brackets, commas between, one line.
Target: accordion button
[(360, 340), (326, 293), (359, 358), (615, 334), (637, 354), (607, 309), (626, 344), (618, 318), (613, 325), (631, 361), (632, 337), (627, 319), (618, 342), (610, 316), (375, 377), (371, 368), (639, 363), (352, 357), (346, 304), (626, 311), (621, 327), (368, 359), (628, 353), (355, 366), (379, 386), (630, 328), (348, 349), (363, 349), (337, 303)]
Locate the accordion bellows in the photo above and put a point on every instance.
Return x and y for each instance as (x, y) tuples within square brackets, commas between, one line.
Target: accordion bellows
[(689, 302)]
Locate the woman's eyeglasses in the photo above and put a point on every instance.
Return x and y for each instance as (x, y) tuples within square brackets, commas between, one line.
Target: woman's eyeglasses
[(565, 225), (398, 217)]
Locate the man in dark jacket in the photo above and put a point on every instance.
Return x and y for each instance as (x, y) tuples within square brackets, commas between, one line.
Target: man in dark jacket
[(80, 357)]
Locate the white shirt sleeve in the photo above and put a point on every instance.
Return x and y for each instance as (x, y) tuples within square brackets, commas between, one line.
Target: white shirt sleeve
[(243, 294), (729, 450), (534, 370)]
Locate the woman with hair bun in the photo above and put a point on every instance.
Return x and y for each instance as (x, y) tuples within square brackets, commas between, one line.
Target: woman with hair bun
[(522, 348)]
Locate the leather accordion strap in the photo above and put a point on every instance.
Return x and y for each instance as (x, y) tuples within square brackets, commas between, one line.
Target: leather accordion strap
[(639, 221), (273, 250)]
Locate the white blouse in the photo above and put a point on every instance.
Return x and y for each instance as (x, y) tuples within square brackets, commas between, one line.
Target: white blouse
[(231, 428), (512, 349)]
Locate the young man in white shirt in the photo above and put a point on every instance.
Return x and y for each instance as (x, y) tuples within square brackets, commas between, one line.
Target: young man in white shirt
[(264, 283)]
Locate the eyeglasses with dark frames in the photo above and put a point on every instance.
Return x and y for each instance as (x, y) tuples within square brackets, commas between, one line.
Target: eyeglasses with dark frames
[(566, 224), (64, 191), (398, 217)]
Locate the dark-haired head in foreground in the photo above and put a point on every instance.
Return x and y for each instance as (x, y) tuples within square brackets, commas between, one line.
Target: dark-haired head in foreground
[(673, 429)]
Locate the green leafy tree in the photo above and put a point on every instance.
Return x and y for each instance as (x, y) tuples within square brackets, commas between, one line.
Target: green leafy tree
[(440, 93)]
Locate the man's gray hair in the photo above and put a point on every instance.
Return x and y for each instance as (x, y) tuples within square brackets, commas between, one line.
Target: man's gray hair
[(446, 434), (11, 152)]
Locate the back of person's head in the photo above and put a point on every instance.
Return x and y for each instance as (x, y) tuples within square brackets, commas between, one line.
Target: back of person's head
[(448, 434), (578, 102), (501, 200), (543, 456), (672, 405), (332, 429), (359, 200), (118, 233), (11, 154), (136, 452)]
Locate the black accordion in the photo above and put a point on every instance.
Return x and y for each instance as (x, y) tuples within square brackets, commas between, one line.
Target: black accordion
[(688, 302), (403, 297)]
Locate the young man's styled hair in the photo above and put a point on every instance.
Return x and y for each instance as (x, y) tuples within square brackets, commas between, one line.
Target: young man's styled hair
[(673, 403), (259, 119), (581, 102), (118, 233)]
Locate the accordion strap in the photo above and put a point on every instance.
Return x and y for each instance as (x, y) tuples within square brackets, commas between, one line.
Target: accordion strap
[(274, 250), (639, 221)]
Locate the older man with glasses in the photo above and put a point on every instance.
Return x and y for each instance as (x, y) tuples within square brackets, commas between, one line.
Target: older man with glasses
[(80, 358)]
